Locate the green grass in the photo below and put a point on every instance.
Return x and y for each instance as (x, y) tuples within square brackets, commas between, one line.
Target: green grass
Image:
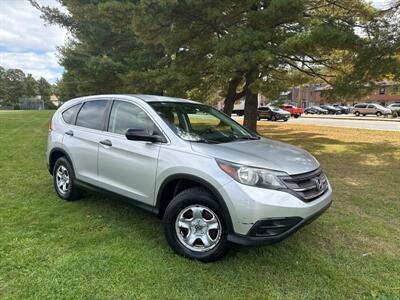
[(102, 248)]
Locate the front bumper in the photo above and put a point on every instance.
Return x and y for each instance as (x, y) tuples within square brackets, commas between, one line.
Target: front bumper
[(261, 216), (294, 224)]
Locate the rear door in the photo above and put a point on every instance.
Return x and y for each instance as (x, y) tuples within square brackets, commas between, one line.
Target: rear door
[(371, 109), (82, 140), (128, 167)]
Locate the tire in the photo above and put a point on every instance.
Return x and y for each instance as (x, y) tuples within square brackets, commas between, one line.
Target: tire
[(357, 113), (273, 118), (188, 202), (64, 173), (378, 114), (364, 115), (296, 116)]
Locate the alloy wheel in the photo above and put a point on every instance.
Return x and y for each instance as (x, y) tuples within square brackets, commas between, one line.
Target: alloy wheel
[(198, 228), (62, 179)]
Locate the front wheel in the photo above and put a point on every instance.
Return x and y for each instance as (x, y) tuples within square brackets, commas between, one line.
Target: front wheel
[(195, 227), (378, 114)]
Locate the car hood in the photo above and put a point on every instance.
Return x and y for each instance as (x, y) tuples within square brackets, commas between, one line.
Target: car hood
[(263, 153), (282, 112)]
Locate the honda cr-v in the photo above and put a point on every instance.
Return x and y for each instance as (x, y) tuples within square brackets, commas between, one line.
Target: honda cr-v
[(212, 181)]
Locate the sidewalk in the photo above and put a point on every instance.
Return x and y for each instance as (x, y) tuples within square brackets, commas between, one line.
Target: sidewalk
[(350, 117)]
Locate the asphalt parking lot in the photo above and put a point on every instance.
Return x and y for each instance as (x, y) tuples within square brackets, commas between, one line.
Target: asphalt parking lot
[(349, 121)]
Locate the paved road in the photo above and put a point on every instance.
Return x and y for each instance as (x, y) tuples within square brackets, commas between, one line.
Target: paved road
[(364, 124)]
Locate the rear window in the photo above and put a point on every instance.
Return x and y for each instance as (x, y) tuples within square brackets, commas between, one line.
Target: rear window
[(91, 114), (69, 115)]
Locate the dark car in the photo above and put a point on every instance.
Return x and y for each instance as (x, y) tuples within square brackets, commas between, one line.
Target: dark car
[(344, 109), (331, 109), (315, 110), (272, 113)]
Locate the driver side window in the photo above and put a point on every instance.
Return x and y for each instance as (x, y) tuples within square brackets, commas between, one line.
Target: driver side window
[(126, 115)]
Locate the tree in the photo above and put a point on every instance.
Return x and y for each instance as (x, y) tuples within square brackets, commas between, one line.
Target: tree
[(2, 83), (14, 85), (104, 49), (31, 86), (258, 45), (236, 48), (44, 89)]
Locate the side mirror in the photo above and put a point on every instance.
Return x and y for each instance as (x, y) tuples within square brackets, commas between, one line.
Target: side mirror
[(143, 135)]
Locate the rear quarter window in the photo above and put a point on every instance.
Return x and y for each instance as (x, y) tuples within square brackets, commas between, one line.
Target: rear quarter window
[(69, 115)]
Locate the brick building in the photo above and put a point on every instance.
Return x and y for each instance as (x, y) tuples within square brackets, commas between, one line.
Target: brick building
[(313, 94)]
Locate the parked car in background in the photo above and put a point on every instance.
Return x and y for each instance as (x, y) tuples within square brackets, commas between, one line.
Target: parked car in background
[(272, 113), (238, 112), (331, 109), (293, 110), (370, 109), (394, 107), (344, 109), (212, 181), (315, 110)]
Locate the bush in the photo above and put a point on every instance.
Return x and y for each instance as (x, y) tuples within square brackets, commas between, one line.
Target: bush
[(395, 114)]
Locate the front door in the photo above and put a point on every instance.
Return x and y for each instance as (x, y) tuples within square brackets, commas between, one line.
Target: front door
[(128, 167)]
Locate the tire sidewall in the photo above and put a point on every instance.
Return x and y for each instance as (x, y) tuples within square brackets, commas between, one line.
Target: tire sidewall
[(64, 162), (186, 199)]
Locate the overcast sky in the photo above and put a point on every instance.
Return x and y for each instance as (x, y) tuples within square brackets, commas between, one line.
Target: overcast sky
[(27, 43)]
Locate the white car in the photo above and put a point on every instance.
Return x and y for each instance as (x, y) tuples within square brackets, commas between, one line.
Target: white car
[(394, 107)]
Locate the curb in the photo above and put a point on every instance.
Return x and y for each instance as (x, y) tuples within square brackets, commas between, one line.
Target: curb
[(351, 119)]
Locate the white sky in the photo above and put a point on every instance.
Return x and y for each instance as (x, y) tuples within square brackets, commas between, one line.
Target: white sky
[(27, 43)]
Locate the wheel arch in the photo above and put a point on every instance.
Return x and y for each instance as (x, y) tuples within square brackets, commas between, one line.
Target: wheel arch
[(176, 183), (55, 154)]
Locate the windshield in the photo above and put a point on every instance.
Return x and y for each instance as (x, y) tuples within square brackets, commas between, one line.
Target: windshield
[(200, 123), (273, 108)]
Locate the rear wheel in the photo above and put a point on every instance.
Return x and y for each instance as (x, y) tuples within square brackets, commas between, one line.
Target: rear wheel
[(195, 227), (64, 180)]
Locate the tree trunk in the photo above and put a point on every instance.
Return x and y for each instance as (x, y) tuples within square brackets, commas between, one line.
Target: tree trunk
[(231, 95), (251, 104)]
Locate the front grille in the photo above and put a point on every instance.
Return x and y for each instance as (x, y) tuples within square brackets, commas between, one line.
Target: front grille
[(307, 186)]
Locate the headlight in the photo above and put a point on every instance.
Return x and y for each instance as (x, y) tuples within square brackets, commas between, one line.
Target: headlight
[(252, 176)]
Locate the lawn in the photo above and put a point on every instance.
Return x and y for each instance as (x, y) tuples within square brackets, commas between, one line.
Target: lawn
[(103, 248)]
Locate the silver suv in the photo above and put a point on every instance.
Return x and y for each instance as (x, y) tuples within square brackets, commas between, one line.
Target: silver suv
[(212, 181)]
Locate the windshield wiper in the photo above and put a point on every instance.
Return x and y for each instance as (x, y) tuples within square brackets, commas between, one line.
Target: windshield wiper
[(202, 140), (247, 138)]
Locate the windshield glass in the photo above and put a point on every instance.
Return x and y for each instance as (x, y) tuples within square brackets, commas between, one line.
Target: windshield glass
[(273, 108), (200, 123)]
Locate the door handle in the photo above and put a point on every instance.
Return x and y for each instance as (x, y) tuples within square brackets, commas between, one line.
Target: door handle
[(106, 143), (70, 133)]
